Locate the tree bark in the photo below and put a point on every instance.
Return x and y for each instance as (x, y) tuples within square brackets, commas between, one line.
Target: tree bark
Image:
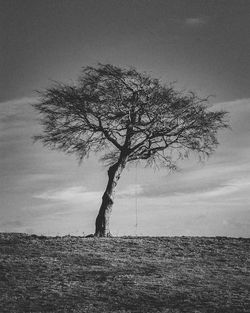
[(103, 217)]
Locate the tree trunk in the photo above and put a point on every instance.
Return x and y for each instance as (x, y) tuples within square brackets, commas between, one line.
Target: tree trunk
[(102, 220)]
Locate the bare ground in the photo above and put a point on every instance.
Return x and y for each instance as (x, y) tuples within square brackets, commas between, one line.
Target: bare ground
[(150, 274)]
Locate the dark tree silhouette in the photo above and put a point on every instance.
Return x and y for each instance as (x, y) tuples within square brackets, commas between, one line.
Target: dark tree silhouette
[(130, 117)]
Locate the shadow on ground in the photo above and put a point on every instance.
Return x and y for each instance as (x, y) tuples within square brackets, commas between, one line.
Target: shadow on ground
[(163, 274)]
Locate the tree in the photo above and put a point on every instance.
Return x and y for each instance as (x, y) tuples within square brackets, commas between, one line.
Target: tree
[(129, 117)]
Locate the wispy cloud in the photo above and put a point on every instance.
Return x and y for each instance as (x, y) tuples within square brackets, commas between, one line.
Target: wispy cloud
[(229, 188), (195, 21), (16, 113), (130, 191), (82, 194), (20, 101), (14, 106), (12, 223), (71, 194)]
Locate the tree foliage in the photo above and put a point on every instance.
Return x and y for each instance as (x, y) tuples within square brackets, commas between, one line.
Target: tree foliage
[(123, 112)]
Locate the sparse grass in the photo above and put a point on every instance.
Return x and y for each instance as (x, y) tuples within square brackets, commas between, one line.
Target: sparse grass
[(163, 274)]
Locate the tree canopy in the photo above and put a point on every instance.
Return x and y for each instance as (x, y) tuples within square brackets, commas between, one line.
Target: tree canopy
[(114, 110)]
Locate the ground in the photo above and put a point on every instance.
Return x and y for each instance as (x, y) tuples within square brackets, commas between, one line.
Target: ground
[(149, 274)]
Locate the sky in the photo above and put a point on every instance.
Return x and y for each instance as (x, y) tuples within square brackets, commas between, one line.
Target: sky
[(200, 45)]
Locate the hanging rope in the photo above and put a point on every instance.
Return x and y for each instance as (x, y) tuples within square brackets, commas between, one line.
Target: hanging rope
[(136, 201)]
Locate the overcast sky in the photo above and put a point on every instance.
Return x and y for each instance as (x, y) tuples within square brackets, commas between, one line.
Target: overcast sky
[(203, 45)]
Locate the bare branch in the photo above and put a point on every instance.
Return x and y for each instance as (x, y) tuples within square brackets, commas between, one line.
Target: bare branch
[(122, 112)]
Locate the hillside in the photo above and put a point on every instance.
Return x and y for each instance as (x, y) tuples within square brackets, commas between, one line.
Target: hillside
[(163, 274)]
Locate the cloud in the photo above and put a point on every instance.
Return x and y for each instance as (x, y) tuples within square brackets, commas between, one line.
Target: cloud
[(229, 188), (199, 180), (181, 194), (239, 113), (235, 144), (70, 194), (11, 223), (81, 194), (195, 21), (14, 107), (16, 114), (130, 191), (20, 101)]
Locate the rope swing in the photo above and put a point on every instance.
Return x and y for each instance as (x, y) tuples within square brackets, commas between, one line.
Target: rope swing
[(136, 201)]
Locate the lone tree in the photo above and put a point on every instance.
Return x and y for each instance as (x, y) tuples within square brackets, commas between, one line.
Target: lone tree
[(130, 117)]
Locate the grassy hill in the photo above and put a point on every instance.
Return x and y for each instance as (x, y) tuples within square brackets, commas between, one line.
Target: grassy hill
[(163, 274)]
